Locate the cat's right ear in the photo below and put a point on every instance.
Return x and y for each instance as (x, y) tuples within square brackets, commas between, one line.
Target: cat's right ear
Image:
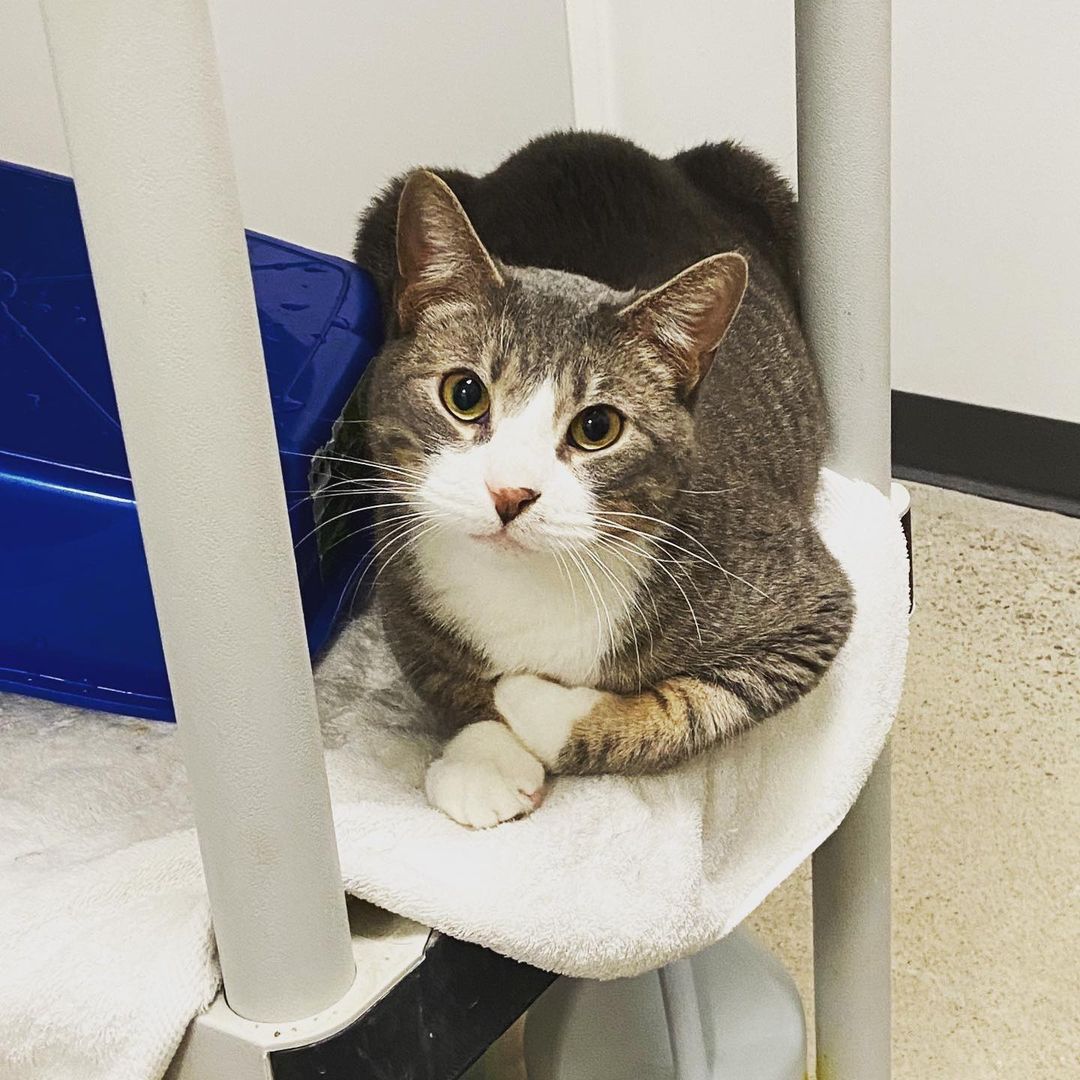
[(440, 259)]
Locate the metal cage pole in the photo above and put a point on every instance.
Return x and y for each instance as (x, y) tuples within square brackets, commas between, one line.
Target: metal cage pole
[(843, 77), (146, 130), (682, 1014)]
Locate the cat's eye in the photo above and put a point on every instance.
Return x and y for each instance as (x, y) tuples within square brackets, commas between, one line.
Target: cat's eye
[(595, 427), (465, 396)]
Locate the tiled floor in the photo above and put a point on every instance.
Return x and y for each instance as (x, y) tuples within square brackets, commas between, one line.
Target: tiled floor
[(986, 802)]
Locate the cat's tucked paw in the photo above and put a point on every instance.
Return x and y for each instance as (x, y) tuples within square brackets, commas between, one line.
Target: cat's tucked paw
[(485, 776), (542, 713)]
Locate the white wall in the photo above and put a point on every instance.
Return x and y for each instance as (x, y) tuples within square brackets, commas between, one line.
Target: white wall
[(986, 167), (986, 202), (687, 71), (328, 98), (30, 130)]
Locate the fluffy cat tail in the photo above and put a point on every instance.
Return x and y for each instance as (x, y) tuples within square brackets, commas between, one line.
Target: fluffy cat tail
[(743, 182)]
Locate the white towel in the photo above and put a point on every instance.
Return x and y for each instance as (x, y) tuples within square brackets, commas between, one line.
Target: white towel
[(105, 947)]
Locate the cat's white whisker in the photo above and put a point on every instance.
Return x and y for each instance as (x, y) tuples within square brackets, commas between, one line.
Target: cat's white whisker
[(402, 533), (607, 610), (653, 539), (355, 492), (558, 554), (637, 571), (666, 525), (675, 581), (361, 565), (356, 485), (362, 568), (643, 582), (365, 480), (678, 564), (379, 493), (413, 473), (569, 532), (575, 562), (711, 561), (632, 606), (590, 584), (348, 513), (420, 532), (386, 521), (401, 522)]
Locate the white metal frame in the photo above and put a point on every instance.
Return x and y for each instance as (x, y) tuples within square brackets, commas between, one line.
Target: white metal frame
[(843, 63), (149, 148)]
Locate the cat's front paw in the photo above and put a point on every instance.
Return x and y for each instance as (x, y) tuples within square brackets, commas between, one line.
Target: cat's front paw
[(485, 776), (542, 713)]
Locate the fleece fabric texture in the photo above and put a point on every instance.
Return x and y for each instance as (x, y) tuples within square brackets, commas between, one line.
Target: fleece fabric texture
[(106, 950)]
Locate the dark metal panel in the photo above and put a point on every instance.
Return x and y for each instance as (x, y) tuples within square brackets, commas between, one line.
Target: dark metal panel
[(432, 1025)]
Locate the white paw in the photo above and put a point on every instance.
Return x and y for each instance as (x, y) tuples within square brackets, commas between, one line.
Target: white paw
[(542, 713), (485, 776)]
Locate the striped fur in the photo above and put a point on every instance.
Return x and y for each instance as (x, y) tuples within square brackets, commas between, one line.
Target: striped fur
[(681, 716), (584, 270)]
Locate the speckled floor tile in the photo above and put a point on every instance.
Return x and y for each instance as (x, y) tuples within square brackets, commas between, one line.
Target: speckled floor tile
[(986, 802)]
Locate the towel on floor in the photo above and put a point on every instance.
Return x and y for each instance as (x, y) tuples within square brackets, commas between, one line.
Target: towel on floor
[(105, 944)]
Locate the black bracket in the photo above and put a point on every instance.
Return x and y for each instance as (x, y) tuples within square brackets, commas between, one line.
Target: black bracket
[(905, 524), (431, 1025)]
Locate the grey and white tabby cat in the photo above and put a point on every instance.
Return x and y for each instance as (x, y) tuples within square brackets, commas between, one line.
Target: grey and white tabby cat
[(598, 431)]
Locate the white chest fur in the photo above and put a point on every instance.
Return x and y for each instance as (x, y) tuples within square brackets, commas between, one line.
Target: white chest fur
[(523, 611)]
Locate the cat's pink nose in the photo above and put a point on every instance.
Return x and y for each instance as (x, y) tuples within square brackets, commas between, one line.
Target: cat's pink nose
[(509, 502)]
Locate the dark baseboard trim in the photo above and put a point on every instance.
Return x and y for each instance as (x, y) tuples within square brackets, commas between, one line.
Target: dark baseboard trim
[(1036, 500), (1008, 456)]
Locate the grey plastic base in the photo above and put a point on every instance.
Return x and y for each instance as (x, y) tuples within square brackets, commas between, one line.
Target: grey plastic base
[(752, 1020)]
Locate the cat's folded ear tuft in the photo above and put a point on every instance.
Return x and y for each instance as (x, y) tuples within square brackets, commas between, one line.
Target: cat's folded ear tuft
[(440, 259), (687, 317)]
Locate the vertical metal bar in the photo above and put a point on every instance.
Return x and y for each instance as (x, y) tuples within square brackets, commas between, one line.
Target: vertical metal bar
[(852, 939), (146, 130), (843, 77), (682, 1011)]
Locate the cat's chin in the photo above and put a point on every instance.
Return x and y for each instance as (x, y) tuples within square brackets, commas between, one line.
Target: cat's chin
[(499, 541)]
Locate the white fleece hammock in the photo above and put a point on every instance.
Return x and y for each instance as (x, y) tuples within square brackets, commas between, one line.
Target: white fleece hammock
[(106, 951)]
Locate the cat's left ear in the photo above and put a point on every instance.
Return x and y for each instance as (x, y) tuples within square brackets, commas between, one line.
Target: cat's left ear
[(688, 316), (440, 258)]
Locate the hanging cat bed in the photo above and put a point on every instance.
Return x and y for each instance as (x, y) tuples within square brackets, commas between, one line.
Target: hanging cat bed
[(105, 918)]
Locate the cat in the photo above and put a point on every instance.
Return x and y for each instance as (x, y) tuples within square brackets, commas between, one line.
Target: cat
[(595, 433)]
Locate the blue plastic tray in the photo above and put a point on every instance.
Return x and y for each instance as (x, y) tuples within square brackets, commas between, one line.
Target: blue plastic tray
[(77, 620)]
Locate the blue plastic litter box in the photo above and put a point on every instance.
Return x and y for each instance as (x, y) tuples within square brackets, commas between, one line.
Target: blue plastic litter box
[(77, 620)]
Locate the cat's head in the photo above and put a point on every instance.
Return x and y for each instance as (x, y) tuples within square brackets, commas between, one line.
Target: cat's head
[(535, 409)]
